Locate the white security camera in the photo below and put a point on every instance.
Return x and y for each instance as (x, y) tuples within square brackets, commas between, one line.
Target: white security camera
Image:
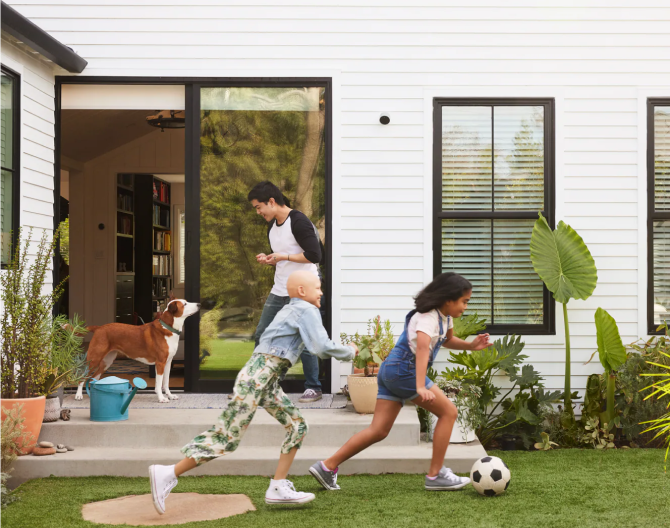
[(384, 119)]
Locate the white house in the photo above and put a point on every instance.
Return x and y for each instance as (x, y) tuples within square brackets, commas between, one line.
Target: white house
[(494, 111)]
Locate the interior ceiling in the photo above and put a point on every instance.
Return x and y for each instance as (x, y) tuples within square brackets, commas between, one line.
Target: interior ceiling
[(87, 134)]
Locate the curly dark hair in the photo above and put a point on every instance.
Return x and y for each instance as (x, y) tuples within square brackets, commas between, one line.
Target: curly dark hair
[(445, 287)]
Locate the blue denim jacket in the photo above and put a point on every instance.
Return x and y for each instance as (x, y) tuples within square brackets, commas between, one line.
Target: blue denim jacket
[(296, 327)]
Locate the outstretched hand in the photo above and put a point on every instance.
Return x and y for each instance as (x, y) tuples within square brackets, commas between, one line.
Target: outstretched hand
[(481, 341)]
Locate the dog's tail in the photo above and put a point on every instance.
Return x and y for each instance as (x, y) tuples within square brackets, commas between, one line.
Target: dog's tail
[(92, 328), (69, 328)]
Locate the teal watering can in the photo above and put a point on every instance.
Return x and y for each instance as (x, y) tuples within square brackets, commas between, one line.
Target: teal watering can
[(110, 398)]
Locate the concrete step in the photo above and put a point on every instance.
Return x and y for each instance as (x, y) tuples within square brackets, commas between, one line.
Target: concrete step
[(134, 462), (173, 428)]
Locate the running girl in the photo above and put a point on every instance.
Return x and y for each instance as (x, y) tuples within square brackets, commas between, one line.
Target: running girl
[(402, 376)]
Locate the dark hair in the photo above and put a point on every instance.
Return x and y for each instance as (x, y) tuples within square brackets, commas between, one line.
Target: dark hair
[(265, 190), (445, 287)]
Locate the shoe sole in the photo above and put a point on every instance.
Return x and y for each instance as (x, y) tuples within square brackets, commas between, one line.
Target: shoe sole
[(154, 492), (294, 501), (320, 480), (305, 400), (446, 488)]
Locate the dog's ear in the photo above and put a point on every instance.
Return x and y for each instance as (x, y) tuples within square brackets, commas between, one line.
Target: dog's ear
[(172, 297), (172, 308)]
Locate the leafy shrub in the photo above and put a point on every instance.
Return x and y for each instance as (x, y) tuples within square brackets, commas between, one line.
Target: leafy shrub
[(13, 440)]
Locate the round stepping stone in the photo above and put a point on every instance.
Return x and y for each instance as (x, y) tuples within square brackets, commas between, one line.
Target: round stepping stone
[(69, 448), (43, 451), (46, 444), (181, 508), (63, 450)]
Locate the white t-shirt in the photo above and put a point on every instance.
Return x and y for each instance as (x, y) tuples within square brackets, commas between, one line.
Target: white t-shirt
[(282, 240), (428, 323)]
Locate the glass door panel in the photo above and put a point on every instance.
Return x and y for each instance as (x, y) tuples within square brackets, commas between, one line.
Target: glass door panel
[(248, 135)]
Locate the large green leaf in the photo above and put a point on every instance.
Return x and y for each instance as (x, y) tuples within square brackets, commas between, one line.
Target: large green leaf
[(562, 261), (611, 351)]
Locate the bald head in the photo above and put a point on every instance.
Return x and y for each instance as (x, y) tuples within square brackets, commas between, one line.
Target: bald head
[(306, 286)]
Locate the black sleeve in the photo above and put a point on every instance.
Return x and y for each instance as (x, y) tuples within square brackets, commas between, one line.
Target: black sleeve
[(306, 235)]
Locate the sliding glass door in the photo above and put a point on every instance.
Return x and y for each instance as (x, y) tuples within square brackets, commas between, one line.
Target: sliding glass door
[(245, 134)]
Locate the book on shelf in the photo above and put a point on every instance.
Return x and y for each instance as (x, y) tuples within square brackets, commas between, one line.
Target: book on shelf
[(162, 265), (125, 225), (125, 202), (161, 216), (162, 241), (160, 287), (161, 191)]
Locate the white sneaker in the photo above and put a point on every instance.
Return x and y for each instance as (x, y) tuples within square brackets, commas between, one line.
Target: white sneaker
[(162, 480), (283, 492)]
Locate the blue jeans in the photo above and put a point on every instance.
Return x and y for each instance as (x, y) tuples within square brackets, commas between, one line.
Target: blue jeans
[(310, 363)]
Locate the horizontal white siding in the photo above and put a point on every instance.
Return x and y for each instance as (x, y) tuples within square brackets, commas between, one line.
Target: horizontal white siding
[(37, 140), (596, 54)]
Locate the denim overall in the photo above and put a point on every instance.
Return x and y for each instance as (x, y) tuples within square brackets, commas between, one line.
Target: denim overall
[(396, 379)]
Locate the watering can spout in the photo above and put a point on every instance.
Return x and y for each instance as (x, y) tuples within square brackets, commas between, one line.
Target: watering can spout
[(138, 383)]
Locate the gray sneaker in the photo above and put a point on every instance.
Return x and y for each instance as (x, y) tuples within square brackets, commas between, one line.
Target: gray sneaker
[(328, 479), (446, 481), (310, 396)]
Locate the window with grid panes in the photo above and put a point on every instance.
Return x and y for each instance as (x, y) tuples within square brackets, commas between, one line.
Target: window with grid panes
[(493, 173), (658, 173), (9, 179)]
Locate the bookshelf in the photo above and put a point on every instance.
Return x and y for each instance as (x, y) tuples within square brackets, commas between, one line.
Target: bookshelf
[(153, 246), (124, 303)]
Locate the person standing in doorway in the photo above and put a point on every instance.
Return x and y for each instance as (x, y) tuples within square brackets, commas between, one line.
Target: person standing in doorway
[(294, 241)]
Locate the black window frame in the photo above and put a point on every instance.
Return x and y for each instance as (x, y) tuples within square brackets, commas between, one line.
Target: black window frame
[(652, 214), (549, 326), (16, 159)]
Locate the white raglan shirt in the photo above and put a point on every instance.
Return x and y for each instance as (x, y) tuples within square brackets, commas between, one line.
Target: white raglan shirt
[(428, 323)]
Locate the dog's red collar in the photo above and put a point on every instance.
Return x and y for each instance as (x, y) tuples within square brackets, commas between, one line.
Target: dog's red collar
[(168, 327)]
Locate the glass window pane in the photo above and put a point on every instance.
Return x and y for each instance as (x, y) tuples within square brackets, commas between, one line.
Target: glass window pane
[(519, 158), (466, 249), (517, 289), (248, 135), (661, 272), (7, 121), (662, 158), (466, 158), (482, 250), (6, 215), (182, 247)]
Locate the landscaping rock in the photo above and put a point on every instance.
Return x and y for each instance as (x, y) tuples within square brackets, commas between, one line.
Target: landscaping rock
[(43, 451), (46, 444), (65, 414), (61, 450), (60, 446), (69, 448)]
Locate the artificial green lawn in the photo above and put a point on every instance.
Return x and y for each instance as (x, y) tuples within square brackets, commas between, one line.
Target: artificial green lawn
[(228, 357), (565, 488)]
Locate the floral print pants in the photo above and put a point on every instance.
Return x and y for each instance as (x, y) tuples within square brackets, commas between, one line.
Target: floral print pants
[(257, 385)]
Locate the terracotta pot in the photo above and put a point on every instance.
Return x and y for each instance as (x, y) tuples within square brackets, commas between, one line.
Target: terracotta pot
[(363, 392), (33, 414), (374, 368)]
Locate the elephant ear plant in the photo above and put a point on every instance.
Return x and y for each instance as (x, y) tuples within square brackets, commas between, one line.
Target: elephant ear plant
[(612, 355), (566, 267)]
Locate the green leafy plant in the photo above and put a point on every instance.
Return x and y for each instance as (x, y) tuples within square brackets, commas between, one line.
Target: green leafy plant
[(545, 444), (374, 347), (67, 362), (468, 325), (13, 441), (26, 318), (563, 262), (466, 398), (600, 437)]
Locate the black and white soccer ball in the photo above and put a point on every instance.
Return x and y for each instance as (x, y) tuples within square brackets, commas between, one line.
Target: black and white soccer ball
[(490, 476)]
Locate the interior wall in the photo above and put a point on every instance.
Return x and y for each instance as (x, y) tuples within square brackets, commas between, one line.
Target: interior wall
[(178, 199), (93, 202)]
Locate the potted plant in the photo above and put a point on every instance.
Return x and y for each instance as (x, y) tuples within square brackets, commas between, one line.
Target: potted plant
[(373, 348), (466, 399), (68, 365), (25, 324)]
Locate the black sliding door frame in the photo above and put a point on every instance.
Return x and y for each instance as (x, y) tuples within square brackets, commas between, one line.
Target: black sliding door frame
[(193, 86)]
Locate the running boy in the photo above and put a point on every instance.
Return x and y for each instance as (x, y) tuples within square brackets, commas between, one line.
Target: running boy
[(402, 376), (297, 326)]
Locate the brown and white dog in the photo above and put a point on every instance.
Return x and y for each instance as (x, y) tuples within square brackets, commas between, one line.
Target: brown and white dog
[(154, 343)]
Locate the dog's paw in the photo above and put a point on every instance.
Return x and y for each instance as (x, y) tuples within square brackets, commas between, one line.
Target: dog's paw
[(78, 397), (163, 399), (173, 396)]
